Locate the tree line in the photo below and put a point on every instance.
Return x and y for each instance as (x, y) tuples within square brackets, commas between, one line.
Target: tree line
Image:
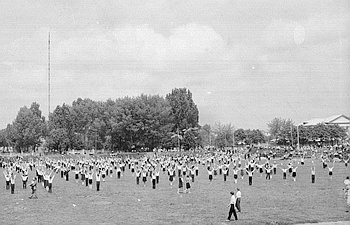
[(144, 122), (285, 132), (141, 122)]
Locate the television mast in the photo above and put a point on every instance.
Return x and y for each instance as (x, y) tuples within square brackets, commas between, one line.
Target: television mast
[(49, 79)]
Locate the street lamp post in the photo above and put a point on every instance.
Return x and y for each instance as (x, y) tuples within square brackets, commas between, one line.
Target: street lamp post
[(298, 146), (178, 139), (233, 138)]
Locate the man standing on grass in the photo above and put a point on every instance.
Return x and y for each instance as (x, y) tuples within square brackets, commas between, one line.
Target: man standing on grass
[(13, 181), (346, 186), (347, 192), (232, 207), (238, 200)]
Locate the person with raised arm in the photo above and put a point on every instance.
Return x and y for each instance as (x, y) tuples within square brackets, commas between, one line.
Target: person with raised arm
[(260, 167), (7, 178), (224, 171), (154, 179), (330, 171), (13, 182), (284, 171), (274, 167), (157, 173), (268, 169), (90, 176), (33, 187), (50, 180), (235, 174), (188, 184), (24, 179), (98, 179), (250, 176), (210, 173), (144, 176), (294, 173), (180, 187), (171, 172), (313, 173)]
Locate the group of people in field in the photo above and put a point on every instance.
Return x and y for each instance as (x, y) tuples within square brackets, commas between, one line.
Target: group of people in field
[(183, 167)]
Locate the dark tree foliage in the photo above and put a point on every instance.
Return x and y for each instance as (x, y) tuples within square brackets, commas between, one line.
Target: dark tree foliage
[(27, 130), (284, 132), (183, 109), (185, 118)]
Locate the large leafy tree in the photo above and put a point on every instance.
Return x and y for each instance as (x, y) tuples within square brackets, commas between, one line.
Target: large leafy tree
[(141, 122), (185, 116), (282, 130), (205, 135), (62, 126), (240, 136), (223, 135), (321, 134), (3, 142), (183, 109), (10, 136), (29, 128)]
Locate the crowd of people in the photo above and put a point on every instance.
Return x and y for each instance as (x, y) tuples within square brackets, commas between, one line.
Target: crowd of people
[(183, 167)]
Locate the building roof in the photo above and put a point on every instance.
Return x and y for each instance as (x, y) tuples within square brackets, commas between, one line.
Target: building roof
[(328, 120)]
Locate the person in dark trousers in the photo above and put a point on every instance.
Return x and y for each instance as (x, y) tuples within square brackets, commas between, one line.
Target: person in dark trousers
[(33, 187), (232, 207), (238, 199), (98, 179), (13, 181), (313, 174)]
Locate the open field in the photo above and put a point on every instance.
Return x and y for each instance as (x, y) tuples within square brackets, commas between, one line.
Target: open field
[(121, 201)]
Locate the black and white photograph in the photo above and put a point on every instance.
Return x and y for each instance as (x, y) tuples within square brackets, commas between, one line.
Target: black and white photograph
[(175, 112)]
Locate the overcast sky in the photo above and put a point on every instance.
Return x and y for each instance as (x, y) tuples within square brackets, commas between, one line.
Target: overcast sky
[(245, 62)]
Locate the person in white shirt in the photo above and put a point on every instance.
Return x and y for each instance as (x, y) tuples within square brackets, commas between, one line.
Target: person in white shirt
[(330, 169), (157, 175), (138, 174), (24, 180), (294, 173), (98, 179), (250, 176), (235, 174), (346, 186), (224, 170), (188, 185), (33, 186), (210, 173), (50, 180), (347, 182), (13, 181), (7, 178), (153, 180), (171, 172), (313, 174), (238, 200), (232, 207), (90, 175)]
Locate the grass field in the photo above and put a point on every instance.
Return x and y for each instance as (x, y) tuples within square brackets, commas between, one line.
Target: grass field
[(123, 202)]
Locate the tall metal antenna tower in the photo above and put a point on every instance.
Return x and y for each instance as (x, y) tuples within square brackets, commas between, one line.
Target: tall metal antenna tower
[(49, 78)]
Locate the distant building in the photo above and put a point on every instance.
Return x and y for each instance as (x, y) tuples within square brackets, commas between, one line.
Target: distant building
[(341, 120)]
